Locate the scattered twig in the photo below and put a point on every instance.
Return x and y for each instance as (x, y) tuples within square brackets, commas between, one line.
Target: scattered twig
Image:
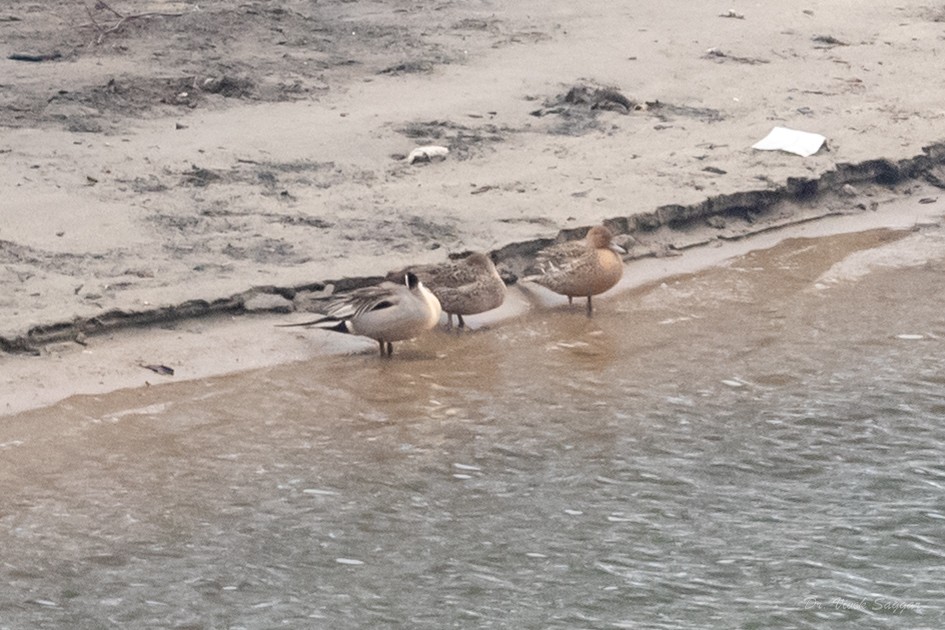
[(936, 181), (717, 55), (122, 19), (715, 170), (88, 10), (827, 40), (101, 4), (159, 369)]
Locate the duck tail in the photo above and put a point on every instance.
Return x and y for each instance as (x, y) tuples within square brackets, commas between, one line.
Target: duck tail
[(325, 323), (337, 325)]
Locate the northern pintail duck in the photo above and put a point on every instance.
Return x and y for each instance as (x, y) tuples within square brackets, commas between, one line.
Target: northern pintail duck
[(386, 313), (581, 268), (464, 287)]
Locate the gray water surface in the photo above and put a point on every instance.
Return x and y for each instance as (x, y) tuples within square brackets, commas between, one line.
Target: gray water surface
[(756, 446)]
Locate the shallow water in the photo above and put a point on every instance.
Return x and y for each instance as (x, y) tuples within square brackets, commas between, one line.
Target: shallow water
[(756, 446)]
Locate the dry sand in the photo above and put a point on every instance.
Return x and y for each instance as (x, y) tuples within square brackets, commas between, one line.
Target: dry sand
[(166, 158)]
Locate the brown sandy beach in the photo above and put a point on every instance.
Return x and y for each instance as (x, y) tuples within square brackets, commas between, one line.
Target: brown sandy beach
[(161, 159)]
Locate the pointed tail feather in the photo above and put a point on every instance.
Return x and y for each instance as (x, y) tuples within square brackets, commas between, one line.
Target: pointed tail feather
[(325, 323)]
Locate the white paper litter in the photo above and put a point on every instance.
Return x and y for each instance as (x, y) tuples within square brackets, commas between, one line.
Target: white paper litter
[(801, 143)]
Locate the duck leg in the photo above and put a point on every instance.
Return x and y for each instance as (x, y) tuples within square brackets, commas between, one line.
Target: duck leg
[(461, 324), (590, 308)]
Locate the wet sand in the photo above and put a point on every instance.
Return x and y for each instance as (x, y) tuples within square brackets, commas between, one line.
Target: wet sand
[(205, 347), (160, 160)]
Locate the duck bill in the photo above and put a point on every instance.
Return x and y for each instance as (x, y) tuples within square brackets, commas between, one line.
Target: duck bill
[(617, 248)]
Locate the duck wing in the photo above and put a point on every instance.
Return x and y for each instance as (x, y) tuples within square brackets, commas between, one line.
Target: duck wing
[(439, 275), (560, 258), (360, 301)]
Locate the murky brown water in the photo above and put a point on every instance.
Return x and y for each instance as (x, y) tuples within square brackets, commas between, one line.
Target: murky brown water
[(756, 446)]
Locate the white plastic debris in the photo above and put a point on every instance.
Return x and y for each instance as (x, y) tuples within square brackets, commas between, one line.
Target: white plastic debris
[(427, 154), (801, 143)]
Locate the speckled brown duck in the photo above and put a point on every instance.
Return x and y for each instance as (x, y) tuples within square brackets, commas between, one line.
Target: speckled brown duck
[(468, 286), (581, 268)]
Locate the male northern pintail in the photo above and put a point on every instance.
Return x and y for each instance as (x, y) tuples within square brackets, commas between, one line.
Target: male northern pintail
[(387, 312)]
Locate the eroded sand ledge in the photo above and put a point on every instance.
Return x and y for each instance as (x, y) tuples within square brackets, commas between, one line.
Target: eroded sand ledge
[(848, 189)]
